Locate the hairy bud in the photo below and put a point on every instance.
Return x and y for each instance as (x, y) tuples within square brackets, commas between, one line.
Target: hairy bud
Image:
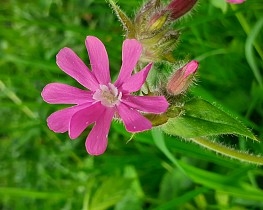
[(179, 8), (182, 78)]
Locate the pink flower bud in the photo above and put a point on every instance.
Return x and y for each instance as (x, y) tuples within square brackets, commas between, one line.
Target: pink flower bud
[(178, 8), (182, 78)]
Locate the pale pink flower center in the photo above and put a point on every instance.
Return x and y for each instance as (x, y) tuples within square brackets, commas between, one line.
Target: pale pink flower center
[(108, 95)]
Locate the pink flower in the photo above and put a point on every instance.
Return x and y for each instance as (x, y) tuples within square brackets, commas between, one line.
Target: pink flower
[(103, 100), (235, 1)]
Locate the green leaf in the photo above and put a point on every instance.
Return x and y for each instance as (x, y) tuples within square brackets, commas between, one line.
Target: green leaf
[(126, 22), (232, 184), (109, 193), (190, 149), (180, 200), (201, 118)]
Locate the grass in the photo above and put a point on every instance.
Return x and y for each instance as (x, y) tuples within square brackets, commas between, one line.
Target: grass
[(43, 170)]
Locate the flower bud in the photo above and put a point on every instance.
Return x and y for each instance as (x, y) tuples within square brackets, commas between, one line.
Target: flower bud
[(176, 9), (179, 8), (182, 78), (157, 24)]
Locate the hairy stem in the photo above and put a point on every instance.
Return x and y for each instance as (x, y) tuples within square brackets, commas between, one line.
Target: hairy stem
[(229, 152)]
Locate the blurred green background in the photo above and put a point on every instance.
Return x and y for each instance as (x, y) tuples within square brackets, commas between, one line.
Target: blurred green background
[(43, 170)]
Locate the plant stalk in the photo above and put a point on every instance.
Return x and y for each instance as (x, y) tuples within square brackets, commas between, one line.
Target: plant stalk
[(229, 152)]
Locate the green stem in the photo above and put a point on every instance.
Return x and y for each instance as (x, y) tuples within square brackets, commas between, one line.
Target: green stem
[(86, 200), (229, 152)]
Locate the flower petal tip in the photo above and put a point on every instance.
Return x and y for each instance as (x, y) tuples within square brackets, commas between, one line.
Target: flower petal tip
[(64, 50), (72, 135), (97, 150), (165, 104), (43, 93), (133, 42), (54, 126), (91, 38)]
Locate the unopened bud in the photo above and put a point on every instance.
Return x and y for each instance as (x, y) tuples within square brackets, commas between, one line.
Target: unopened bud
[(178, 8), (182, 78), (157, 24)]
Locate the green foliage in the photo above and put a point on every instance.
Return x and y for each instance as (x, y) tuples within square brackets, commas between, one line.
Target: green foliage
[(200, 118), (43, 170), (221, 4)]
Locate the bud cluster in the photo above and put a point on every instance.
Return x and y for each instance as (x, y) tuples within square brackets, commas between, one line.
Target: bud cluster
[(152, 27)]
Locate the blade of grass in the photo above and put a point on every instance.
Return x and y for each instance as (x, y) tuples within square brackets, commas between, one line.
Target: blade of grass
[(249, 50), (245, 25)]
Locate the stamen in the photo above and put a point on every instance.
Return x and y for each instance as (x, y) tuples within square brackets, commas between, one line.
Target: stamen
[(108, 95)]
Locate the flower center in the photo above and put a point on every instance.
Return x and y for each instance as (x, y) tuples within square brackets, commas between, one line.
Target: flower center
[(108, 95)]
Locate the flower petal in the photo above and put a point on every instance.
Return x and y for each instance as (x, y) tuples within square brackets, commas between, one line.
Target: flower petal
[(98, 59), (133, 120), (59, 120), (152, 104), (83, 118), (131, 52), (57, 93), (135, 82), (97, 140), (71, 64)]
